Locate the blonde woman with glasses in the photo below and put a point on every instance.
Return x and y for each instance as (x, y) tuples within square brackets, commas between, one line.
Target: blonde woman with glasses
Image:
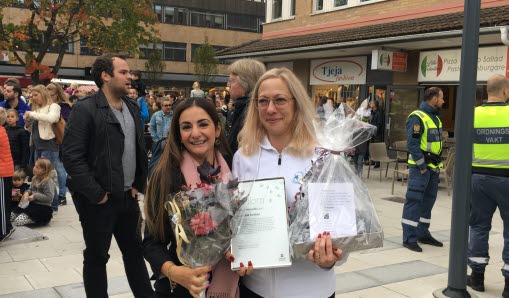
[(278, 140)]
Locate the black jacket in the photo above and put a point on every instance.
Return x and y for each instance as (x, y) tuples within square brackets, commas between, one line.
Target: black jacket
[(377, 119), (237, 122), (157, 252), (93, 146), (18, 139)]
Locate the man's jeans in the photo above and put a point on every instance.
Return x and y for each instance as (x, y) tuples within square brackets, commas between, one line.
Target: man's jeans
[(119, 217), (52, 156)]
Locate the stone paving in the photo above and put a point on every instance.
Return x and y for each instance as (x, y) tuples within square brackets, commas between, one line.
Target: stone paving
[(52, 267)]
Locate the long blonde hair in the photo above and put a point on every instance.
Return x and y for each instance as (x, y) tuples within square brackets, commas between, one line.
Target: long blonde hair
[(41, 89), (61, 95), (47, 167), (303, 139)]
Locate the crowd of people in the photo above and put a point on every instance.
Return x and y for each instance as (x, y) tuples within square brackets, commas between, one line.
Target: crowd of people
[(263, 128)]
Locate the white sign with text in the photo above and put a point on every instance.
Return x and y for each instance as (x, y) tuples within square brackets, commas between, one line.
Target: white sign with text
[(341, 71), (444, 66)]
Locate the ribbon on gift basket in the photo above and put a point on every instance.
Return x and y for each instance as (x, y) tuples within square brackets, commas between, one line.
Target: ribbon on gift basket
[(322, 152), (180, 234)]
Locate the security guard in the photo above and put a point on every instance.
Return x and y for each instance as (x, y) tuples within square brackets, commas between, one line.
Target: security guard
[(490, 180), (424, 141)]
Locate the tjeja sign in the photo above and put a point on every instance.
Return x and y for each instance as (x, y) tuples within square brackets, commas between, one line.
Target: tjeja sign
[(341, 71), (444, 66)]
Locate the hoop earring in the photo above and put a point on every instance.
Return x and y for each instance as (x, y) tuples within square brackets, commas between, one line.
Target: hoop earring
[(217, 142)]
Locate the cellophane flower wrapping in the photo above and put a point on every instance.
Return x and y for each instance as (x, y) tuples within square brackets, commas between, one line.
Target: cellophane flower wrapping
[(336, 135), (201, 217)]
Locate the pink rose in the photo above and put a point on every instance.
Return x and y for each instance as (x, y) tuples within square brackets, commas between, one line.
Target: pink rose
[(202, 223)]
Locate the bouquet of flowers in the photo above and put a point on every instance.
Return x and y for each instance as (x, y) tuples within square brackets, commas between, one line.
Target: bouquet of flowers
[(332, 197), (200, 216)]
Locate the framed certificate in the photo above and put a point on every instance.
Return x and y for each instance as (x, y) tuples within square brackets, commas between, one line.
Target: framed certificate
[(261, 226)]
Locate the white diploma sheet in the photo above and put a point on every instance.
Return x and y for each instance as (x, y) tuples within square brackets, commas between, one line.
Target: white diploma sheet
[(332, 209), (262, 224)]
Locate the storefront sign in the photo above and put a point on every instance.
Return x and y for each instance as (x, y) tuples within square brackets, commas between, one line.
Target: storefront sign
[(389, 60), (444, 66), (342, 71)]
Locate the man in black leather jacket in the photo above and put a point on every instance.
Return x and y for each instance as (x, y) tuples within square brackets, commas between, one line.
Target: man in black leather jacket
[(105, 156)]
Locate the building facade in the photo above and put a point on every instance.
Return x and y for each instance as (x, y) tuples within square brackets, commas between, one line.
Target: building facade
[(390, 50), (183, 25)]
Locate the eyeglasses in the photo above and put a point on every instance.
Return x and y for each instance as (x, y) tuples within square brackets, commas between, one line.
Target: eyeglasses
[(280, 102), (166, 105)]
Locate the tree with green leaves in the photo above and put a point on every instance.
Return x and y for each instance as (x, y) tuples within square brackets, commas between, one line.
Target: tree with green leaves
[(29, 29), (205, 63), (154, 66)]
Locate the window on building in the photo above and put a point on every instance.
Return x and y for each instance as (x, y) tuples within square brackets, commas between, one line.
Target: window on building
[(206, 19), (175, 51), (277, 9), (292, 9), (328, 5), (158, 10), (88, 50), (146, 50), (319, 5), (175, 15), (216, 48), (55, 47), (339, 3), (242, 22)]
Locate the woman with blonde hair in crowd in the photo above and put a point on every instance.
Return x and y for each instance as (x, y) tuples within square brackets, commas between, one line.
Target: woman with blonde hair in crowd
[(39, 122), (278, 139), (61, 98), (197, 92)]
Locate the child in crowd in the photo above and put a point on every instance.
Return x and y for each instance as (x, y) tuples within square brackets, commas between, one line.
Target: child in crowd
[(19, 187), (18, 139), (39, 196), (6, 172)]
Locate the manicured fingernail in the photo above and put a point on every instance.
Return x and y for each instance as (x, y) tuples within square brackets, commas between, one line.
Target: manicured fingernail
[(211, 268), (328, 233), (207, 286), (241, 264), (334, 248), (208, 275), (232, 259), (250, 264), (319, 235)]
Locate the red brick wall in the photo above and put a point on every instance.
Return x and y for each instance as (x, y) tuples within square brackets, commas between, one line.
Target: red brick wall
[(305, 22)]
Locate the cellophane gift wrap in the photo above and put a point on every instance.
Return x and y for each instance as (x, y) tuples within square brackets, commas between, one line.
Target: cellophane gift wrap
[(201, 217), (339, 133)]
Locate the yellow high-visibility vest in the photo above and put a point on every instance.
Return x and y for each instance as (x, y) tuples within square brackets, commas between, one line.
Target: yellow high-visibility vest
[(431, 138), (491, 136)]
